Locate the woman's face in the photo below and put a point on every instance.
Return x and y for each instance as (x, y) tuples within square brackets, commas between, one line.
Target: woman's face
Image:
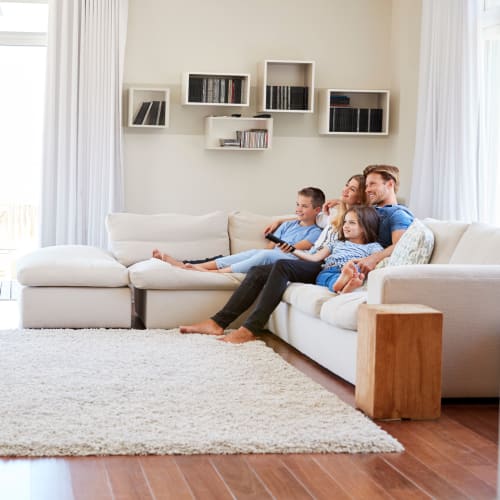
[(350, 193)]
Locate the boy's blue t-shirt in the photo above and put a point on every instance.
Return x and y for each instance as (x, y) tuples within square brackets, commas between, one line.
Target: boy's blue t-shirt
[(392, 218), (292, 232)]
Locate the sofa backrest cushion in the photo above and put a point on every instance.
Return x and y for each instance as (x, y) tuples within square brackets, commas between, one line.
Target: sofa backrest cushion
[(246, 230), (480, 244), (184, 237), (446, 237), (414, 247)]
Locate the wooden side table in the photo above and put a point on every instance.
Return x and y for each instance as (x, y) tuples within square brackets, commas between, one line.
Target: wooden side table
[(398, 371)]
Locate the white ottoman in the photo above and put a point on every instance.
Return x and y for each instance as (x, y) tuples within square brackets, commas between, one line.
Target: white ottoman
[(73, 286)]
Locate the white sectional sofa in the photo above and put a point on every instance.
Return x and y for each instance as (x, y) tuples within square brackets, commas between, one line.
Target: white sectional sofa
[(79, 287)]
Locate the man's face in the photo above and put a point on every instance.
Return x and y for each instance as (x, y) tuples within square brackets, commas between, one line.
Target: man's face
[(377, 189), (304, 209)]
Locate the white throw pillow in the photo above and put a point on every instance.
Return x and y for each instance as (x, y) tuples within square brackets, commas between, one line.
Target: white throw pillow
[(414, 247)]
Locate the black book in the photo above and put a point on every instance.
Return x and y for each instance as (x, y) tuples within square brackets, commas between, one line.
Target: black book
[(153, 113), (139, 117), (161, 119), (237, 91), (274, 92), (195, 90), (343, 119), (299, 97), (375, 120), (268, 96), (362, 120)]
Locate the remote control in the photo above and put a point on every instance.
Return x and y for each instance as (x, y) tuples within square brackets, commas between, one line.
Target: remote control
[(275, 239)]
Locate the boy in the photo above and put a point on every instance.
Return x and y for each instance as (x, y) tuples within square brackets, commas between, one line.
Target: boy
[(301, 233)]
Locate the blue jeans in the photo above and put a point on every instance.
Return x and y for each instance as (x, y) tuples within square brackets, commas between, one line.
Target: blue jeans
[(328, 277), (242, 262), (268, 284)]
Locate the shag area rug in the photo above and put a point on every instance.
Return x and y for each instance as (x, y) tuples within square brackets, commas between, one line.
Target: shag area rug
[(130, 392)]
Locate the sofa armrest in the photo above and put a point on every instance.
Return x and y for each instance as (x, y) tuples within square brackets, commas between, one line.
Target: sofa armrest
[(468, 297)]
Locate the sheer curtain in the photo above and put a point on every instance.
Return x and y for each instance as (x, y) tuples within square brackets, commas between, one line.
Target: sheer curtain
[(82, 164), (445, 170)]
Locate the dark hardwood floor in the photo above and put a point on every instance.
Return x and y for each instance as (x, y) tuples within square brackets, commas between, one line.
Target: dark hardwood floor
[(451, 458)]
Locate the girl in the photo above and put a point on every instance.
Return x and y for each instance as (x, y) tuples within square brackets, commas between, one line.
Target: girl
[(356, 239)]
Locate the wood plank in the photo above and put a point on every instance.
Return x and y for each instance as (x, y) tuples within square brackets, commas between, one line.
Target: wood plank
[(164, 478), (391, 480), (126, 478), (423, 476), (202, 478), (15, 478), (350, 477), (277, 478), (50, 479), (461, 478), (89, 478), (317, 481), (239, 477), (484, 422)]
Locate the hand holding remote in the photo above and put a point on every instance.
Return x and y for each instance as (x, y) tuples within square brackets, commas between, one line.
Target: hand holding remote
[(281, 243)]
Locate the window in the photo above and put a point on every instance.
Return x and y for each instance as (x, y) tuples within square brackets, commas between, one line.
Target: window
[(23, 34), (489, 136)]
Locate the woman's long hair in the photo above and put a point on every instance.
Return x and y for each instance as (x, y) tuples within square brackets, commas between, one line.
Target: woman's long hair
[(338, 219)]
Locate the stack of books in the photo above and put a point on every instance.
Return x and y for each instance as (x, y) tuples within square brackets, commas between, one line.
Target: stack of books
[(150, 113)]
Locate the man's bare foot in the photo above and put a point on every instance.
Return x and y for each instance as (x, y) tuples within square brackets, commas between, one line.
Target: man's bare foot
[(166, 258), (355, 282), (239, 336), (348, 272), (206, 327)]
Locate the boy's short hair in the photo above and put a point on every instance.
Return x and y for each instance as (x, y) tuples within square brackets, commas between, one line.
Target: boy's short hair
[(317, 196), (388, 172)]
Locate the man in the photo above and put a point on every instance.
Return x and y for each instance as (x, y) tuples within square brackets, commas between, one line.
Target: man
[(267, 283)]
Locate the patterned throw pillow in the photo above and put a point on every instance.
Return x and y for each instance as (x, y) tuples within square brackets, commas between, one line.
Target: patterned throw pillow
[(414, 247)]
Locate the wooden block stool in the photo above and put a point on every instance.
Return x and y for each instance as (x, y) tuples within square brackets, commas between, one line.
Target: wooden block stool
[(399, 361)]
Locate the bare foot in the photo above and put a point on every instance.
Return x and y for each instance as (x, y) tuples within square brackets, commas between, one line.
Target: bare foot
[(156, 254), (348, 272), (354, 283), (206, 327), (166, 258), (239, 336)]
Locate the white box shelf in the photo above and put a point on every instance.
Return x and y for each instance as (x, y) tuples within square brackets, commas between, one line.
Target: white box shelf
[(218, 128), (215, 89), (148, 107), (286, 86), (353, 112)]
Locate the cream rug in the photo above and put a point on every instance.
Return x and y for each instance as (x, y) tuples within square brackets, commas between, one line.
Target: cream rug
[(127, 392)]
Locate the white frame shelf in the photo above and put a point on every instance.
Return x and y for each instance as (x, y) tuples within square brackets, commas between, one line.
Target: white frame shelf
[(139, 95), (286, 73), (358, 99), (245, 88), (225, 127)]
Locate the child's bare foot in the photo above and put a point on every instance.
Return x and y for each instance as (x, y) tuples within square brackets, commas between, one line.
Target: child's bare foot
[(239, 336), (348, 272), (206, 327), (166, 258), (156, 254), (355, 282)]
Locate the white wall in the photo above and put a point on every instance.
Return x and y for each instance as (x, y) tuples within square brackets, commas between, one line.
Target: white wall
[(355, 44)]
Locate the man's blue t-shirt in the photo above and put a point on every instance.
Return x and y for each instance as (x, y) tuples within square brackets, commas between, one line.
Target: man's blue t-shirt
[(392, 218), (292, 232)]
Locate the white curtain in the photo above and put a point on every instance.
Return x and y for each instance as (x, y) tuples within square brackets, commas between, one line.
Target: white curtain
[(82, 164), (445, 169)]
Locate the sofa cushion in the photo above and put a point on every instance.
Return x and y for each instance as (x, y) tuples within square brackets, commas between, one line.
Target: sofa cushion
[(414, 247), (246, 230), (154, 274), (479, 244), (446, 236), (342, 310), (307, 298), (71, 265), (185, 237)]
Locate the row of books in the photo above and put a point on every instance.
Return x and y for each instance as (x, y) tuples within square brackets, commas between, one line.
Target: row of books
[(344, 119), (215, 90), (151, 113), (287, 97), (253, 138)]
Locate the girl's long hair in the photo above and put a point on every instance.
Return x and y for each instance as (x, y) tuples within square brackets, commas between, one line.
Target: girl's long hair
[(368, 219), (338, 219)]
